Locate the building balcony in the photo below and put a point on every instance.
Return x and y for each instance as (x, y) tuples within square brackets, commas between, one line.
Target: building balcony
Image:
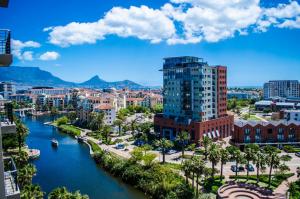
[(4, 3), (6, 57), (7, 127), (12, 190)]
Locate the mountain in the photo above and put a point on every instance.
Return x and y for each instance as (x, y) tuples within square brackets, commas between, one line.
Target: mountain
[(34, 76)]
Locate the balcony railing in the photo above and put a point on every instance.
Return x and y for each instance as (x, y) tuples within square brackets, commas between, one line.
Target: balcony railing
[(12, 190), (4, 3), (7, 124), (5, 48)]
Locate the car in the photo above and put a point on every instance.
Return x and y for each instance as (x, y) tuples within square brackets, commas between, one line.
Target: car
[(237, 169), (297, 154), (249, 167), (120, 146), (170, 152)]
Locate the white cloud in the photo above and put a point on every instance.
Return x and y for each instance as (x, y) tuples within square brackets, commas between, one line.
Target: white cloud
[(180, 22), (141, 22), (50, 55), (18, 47), (27, 56)]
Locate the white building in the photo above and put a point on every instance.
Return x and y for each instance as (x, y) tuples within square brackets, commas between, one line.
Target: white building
[(282, 88), (109, 113), (49, 91)]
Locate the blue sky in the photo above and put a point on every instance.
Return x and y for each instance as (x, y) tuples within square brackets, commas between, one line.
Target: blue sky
[(122, 39)]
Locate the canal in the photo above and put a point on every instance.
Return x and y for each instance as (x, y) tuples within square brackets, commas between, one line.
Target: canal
[(70, 165)]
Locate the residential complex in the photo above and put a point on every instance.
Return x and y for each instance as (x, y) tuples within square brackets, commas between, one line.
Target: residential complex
[(282, 89), (195, 99)]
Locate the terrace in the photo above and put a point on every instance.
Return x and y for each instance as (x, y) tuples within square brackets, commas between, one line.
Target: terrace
[(12, 190)]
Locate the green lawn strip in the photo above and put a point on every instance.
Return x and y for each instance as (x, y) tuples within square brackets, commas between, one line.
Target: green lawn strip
[(276, 180), (172, 166), (95, 147), (69, 129)]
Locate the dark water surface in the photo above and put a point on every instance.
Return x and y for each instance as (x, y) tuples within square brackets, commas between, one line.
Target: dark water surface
[(70, 165)]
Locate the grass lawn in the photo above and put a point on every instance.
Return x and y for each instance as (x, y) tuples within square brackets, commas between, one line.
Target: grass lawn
[(172, 166), (212, 186), (70, 129), (95, 147), (276, 180)]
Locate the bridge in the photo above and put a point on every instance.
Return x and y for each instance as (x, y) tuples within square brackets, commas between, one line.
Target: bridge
[(22, 111)]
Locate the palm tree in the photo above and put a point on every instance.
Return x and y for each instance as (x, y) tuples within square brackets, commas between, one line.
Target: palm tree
[(238, 157), (96, 121), (182, 139), (22, 132), (32, 192), (259, 160), (59, 193), (164, 144), (25, 175), (118, 123), (272, 158), (106, 131), (224, 158), (214, 157), (199, 170), (206, 141), (250, 151), (186, 167)]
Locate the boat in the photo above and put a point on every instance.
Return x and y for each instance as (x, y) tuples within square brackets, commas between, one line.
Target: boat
[(34, 154), (54, 143)]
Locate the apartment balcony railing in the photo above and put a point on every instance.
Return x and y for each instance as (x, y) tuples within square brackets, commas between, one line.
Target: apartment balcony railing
[(7, 124), (5, 48), (12, 190), (4, 3)]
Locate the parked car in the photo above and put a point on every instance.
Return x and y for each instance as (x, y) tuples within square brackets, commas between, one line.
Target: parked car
[(238, 169), (120, 146), (249, 167), (297, 154), (170, 152)]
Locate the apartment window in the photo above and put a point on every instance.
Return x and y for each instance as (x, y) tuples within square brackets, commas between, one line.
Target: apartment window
[(247, 132), (258, 135)]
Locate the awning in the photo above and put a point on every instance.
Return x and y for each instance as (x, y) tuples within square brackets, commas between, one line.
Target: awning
[(218, 134), (213, 134), (209, 135)]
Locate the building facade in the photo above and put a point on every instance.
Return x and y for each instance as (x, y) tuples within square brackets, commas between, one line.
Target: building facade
[(194, 99), (266, 133), (7, 89), (282, 88)]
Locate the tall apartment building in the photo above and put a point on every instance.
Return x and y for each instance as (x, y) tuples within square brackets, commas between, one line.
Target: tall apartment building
[(282, 88), (194, 99), (8, 175), (7, 89)]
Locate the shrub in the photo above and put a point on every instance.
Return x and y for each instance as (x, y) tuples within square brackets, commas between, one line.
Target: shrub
[(62, 120)]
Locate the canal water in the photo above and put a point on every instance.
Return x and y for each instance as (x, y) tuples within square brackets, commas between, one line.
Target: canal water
[(70, 165)]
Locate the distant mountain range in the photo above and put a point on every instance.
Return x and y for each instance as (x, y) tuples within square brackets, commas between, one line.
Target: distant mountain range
[(34, 76)]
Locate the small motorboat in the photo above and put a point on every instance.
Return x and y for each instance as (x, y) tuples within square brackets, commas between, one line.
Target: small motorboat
[(54, 143)]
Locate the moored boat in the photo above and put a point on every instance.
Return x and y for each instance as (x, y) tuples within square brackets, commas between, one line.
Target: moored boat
[(54, 143)]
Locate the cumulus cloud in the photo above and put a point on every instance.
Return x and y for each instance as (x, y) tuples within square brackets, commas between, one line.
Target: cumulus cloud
[(49, 55), (141, 22), (18, 47), (180, 22)]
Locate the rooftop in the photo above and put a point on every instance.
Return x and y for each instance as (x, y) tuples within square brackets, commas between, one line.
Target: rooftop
[(253, 123)]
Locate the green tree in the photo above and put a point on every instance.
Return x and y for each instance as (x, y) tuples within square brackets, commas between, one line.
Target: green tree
[(62, 120), (272, 158), (63, 193), (186, 167), (72, 116), (22, 132), (118, 123), (96, 121), (199, 170), (259, 160), (238, 157), (224, 158), (206, 141), (182, 139), (25, 175), (164, 144), (214, 156), (105, 132), (137, 154), (149, 159), (32, 192), (250, 151)]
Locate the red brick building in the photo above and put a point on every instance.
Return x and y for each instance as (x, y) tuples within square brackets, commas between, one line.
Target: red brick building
[(265, 133)]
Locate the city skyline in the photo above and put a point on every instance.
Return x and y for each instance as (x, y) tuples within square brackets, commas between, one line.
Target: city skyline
[(261, 48)]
